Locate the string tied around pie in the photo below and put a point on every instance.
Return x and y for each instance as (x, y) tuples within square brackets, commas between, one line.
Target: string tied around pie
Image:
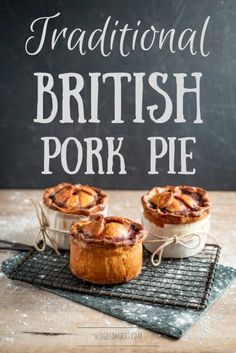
[(176, 239), (43, 235)]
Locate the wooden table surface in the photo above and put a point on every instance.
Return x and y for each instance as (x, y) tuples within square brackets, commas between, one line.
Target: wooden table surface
[(33, 320)]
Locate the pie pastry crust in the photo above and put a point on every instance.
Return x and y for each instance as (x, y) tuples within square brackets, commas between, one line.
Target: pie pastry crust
[(75, 199), (175, 205), (106, 250)]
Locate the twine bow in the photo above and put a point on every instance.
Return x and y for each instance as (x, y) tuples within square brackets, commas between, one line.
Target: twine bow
[(175, 239), (43, 231)]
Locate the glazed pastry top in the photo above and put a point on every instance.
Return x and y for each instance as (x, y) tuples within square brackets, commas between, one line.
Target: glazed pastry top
[(75, 199), (176, 204), (111, 231)]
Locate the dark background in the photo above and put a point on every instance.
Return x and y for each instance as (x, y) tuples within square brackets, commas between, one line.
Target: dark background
[(21, 158)]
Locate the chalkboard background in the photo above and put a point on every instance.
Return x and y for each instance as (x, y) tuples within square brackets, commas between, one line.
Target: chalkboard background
[(21, 158)]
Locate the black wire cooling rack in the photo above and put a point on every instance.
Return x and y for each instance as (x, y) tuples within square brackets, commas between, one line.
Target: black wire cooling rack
[(175, 282)]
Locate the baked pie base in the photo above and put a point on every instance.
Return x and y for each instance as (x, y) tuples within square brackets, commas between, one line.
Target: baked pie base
[(105, 265)]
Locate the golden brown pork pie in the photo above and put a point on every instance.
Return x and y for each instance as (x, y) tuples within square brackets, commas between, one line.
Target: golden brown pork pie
[(65, 203), (106, 250), (174, 212)]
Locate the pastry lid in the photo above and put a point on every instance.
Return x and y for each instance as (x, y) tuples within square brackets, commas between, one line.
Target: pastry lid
[(108, 231), (176, 204), (75, 199)]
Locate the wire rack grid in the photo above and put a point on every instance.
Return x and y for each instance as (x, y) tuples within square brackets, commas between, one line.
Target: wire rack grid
[(175, 282)]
